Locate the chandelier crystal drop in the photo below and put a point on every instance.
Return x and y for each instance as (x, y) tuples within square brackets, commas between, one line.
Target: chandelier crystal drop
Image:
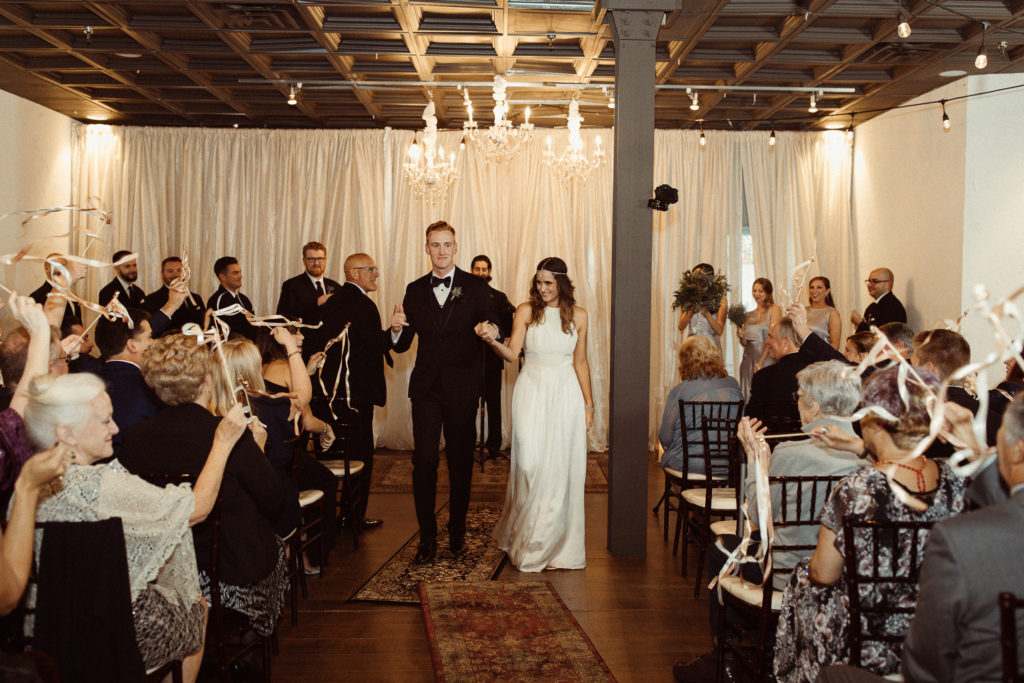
[(501, 140), (428, 172), (573, 164)]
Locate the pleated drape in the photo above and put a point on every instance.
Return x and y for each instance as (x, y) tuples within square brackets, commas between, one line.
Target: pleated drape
[(260, 194)]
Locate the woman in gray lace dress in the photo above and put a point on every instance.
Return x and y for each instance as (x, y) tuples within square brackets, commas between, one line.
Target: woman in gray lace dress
[(75, 412)]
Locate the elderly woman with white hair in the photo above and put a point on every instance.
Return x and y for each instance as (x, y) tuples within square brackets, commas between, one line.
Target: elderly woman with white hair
[(75, 413)]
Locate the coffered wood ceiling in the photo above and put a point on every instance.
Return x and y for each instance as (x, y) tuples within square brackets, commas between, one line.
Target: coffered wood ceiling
[(375, 63)]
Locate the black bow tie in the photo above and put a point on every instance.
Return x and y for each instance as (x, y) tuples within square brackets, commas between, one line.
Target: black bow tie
[(435, 281)]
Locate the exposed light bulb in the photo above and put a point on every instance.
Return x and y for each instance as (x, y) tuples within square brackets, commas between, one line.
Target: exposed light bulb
[(981, 61), (849, 135), (903, 27), (291, 96), (703, 139), (771, 138), (946, 124), (813, 109), (694, 103)]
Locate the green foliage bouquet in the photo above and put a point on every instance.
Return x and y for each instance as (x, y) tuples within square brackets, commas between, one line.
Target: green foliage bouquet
[(698, 290)]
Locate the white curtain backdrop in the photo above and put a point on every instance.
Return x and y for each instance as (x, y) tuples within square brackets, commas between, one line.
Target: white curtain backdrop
[(259, 195)]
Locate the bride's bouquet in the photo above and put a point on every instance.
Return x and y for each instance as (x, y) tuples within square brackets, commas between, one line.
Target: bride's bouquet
[(698, 290)]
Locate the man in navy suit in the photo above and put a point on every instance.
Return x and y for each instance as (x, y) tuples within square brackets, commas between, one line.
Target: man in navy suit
[(123, 284), (442, 308), (303, 295), (368, 351), (122, 348)]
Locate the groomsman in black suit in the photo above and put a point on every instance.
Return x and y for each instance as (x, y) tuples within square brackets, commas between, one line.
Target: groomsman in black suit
[(122, 348), (368, 351), (885, 308), (191, 309), (303, 295), (442, 308), (130, 294), (493, 365), (229, 273), (72, 311)]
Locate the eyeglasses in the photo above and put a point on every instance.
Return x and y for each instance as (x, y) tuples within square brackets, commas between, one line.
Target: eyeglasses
[(372, 269), (875, 282), (316, 259)]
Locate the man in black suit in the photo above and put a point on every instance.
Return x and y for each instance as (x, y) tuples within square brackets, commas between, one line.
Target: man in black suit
[(123, 284), (442, 308), (885, 308), (229, 274), (122, 348), (303, 295), (191, 309), (493, 364), (777, 382), (368, 350), (72, 312)]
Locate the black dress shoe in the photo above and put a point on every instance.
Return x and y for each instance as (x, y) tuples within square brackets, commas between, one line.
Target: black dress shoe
[(371, 523), (425, 555), (457, 543)]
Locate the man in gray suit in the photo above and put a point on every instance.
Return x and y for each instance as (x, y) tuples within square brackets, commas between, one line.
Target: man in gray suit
[(968, 562)]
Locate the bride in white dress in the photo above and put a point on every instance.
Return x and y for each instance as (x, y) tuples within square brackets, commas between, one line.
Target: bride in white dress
[(542, 525)]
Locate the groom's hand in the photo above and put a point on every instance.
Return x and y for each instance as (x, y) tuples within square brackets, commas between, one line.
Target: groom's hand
[(398, 320)]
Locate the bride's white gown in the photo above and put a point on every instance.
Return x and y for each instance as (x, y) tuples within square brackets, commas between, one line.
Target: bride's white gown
[(542, 523)]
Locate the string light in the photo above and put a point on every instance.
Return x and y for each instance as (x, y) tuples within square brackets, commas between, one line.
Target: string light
[(946, 125), (903, 27), (981, 61), (703, 140), (849, 131), (771, 138)]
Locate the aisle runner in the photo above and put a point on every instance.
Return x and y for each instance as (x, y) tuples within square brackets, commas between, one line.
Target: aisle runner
[(491, 631), (392, 473), (397, 580)]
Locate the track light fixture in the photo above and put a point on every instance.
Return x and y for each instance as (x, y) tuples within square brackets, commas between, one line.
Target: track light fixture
[(813, 109), (946, 125), (981, 61), (293, 94), (903, 26), (694, 102)]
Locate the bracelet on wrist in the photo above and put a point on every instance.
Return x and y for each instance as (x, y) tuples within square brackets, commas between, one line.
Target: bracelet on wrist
[(326, 427), (589, 409), (296, 352)]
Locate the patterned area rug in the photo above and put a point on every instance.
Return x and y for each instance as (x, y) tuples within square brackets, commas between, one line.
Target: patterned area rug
[(396, 582), (392, 473), (493, 631)]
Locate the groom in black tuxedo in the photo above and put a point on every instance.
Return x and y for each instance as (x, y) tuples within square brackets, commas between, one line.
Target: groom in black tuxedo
[(442, 307)]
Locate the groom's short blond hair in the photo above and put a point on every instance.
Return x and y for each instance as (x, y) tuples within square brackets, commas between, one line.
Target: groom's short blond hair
[(440, 226)]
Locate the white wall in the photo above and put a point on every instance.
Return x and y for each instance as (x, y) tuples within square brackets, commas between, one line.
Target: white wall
[(908, 204), (35, 172), (994, 206)]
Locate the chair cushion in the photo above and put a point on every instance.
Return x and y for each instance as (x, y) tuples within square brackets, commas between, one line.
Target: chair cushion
[(721, 499), (748, 592), (310, 496), (337, 467), (723, 527), (677, 474)]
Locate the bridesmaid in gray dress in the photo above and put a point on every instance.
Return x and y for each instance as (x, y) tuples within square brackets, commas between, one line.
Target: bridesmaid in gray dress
[(704, 322), (822, 316), (755, 331)]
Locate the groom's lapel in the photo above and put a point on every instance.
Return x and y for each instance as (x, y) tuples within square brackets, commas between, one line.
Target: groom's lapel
[(433, 308)]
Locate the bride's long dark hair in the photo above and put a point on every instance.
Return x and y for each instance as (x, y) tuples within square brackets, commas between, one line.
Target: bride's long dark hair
[(566, 293)]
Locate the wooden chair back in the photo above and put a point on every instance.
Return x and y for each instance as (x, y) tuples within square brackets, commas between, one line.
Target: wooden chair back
[(1008, 639)]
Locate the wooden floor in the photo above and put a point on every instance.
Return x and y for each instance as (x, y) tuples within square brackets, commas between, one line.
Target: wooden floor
[(639, 614)]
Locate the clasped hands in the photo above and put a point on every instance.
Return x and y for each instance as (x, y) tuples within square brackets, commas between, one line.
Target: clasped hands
[(487, 331)]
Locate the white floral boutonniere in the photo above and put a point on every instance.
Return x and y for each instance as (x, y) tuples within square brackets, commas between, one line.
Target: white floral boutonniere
[(456, 293)]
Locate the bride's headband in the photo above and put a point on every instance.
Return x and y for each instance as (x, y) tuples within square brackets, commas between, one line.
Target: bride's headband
[(553, 272)]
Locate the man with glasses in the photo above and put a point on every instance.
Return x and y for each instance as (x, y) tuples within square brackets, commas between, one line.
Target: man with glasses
[(303, 295), (885, 308), (355, 382)]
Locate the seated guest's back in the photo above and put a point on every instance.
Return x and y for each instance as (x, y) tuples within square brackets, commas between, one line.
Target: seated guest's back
[(703, 379), (180, 372)]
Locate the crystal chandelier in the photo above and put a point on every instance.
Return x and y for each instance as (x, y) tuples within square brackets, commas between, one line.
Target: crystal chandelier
[(502, 140), (573, 164), (428, 173)]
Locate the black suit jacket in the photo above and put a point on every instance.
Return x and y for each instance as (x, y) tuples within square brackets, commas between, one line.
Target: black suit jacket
[(298, 298), (238, 323), (448, 356), (888, 309), (505, 311), (369, 345), (776, 383), (134, 298), (72, 311), (131, 397), (253, 496), (189, 312)]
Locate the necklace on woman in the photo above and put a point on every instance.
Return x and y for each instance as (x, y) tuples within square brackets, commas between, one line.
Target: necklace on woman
[(918, 472)]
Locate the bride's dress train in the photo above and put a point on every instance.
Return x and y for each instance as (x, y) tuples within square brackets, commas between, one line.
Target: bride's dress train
[(542, 524)]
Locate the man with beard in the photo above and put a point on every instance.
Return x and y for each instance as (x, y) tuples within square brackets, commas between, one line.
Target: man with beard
[(130, 294), (191, 309), (493, 365)]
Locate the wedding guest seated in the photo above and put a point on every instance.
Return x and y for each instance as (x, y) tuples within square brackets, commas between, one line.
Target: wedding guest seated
[(122, 347), (813, 626), (777, 383), (252, 566), (703, 378), (857, 346), (82, 360), (827, 391), (901, 335), (74, 412), (243, 360), (968, 562), (999, 397), (943, 352)]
